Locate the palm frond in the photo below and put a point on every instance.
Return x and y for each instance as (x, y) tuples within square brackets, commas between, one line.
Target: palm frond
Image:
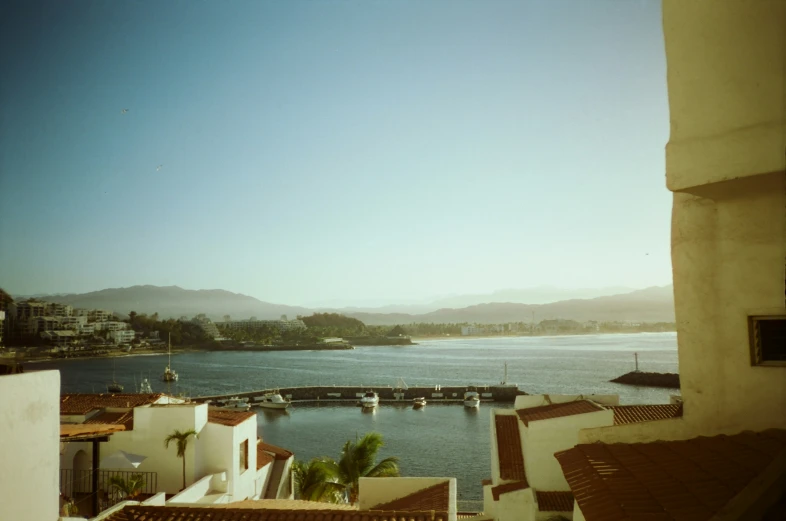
[(387, 468)]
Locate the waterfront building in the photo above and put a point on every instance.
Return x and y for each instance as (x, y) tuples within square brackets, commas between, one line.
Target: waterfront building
[(207, 326), (252, 325), (122, 336), (222, 463), (57, 309), (111, 325), (98, 315)]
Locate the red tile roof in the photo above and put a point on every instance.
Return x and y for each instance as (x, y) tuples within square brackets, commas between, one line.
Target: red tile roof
[(125, 419), (555, 501), (150, 513), (263, 458), (486, 482), (84, 403), (511, 460), (557, 410), (508, 487), (642, 413), (81, 431), (436, 498), (228, 417), (278, 452), (672, 480)]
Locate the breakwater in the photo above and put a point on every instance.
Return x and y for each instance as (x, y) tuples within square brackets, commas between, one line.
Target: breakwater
[(667, 380), (495, 393)]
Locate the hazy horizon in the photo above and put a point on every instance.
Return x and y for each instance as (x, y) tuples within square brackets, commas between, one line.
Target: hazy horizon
[(333, 151)]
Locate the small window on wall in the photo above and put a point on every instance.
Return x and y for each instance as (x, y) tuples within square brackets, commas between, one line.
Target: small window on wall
[(243, 456), (768, 340)]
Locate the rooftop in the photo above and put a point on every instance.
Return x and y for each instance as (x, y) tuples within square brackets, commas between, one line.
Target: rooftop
[(150, 513), (263, 458), (554, 501), (557, 410), (84, 403), (228, 417), (436, 497), (278, 452), (642, 413), (508, 487), (85, 432), (672, 480), (511, 460), (126, 419)]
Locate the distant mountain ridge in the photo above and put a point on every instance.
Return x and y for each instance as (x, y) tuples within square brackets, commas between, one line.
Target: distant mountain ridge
[(655, 304)]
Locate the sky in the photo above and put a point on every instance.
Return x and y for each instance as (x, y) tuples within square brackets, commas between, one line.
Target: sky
[(343, 151)]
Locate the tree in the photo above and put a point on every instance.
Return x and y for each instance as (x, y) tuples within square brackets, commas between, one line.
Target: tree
[(182, 444), (314, 481), (358, 460), (131, 487)]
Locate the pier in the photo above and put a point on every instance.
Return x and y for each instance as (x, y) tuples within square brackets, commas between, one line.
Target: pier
[(433, 393)]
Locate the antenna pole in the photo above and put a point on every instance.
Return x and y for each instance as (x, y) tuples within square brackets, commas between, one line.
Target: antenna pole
[(636, 357)]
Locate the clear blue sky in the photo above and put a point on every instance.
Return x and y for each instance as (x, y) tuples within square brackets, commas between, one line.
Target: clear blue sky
[(332, 150)]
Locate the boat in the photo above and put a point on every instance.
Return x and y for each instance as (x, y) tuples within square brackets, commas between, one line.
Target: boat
[(273, 401), (471, 398), (114, 387), (418, 403), (369, 400), (170, 375), (145, 387), (236, 404)]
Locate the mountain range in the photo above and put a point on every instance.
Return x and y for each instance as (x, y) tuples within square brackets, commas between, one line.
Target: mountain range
[(655, 304)]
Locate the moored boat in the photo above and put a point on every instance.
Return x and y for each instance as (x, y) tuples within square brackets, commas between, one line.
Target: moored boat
[(418, 403), (235, 403), (170, 375), (471, 398), (369, 400), (273, 401)]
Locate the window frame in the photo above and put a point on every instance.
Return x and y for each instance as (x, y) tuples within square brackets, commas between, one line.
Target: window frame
[(243, 456), (754, 341)]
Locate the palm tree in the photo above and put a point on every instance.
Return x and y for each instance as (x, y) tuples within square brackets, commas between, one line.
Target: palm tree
[(314, 481), (130, 487), (358, 460), (182, 443)]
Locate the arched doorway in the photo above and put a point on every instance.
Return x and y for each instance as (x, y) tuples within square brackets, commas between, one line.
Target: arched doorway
[(81, 468)]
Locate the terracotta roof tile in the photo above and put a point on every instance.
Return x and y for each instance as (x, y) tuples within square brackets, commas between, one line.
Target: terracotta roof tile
[(84, 403), (555, 501), (151, 513), (486, 482), (511, 460), (228, 417), (690, 479), (642, 413), (278, 452), (557, 410), (436, 497), (81, 431), (125, 419), (263, 458), (508, 487)]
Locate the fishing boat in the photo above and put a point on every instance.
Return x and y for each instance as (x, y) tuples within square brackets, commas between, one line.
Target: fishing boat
[(273, 401), (471, 398), (369, 400), (238, 404), (418, 403), (170, 375), (114, 387)]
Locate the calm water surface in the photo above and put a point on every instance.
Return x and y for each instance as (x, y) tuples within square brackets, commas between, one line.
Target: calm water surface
[(440, 440)]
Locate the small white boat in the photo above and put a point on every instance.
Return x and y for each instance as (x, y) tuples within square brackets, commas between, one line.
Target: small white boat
[(369, 400), (170, 375), (273, 401), (235, 403), (145, 387), (418, 403), (471, 398)]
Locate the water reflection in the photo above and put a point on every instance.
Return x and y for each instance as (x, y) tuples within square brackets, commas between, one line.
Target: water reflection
[(271, 415)]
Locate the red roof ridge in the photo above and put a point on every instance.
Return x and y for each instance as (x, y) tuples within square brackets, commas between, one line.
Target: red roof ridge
[(558, 410), (624, 414), (83, 403), (278, 452), (169, 513), (227, 417), (554, 501), (436, 497), (508, 487)]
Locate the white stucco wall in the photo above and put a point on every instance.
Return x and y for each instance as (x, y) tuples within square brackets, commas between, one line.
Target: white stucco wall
[(518, 505), (243, 484), (262, 481), (578, 515), (30, 438), (729, 55), (376, 491), (644, 432), (545, 437)]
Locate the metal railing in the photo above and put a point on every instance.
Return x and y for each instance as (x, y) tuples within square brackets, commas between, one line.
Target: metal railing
[(78, 483)]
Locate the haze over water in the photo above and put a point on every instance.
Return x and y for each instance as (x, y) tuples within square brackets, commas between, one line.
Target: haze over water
[(455, 440)]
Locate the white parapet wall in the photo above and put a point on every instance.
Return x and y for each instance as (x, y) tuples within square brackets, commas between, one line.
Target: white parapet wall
[(30, 435)]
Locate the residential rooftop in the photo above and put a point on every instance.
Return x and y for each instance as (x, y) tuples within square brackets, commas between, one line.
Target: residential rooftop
[(155, 513), (228, 417), (435, 497), (511, 459), (624, 414), (557, 410), (84, 403)]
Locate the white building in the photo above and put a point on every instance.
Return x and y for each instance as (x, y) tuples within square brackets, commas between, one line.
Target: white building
[(122, 336), (30, 440), (221, 460), (472, 330), (110, 325), (251, 325), (98, 315)]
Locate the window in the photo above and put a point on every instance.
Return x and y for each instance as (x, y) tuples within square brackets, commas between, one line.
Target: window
[(768, 340), (243, 456)]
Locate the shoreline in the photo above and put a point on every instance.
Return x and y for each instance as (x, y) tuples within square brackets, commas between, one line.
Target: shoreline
[(488, 337)]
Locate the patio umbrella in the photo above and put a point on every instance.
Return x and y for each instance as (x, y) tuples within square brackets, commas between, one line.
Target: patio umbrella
[(122, 460)]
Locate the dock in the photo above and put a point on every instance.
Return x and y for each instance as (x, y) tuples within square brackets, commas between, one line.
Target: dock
[(387, 393)]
